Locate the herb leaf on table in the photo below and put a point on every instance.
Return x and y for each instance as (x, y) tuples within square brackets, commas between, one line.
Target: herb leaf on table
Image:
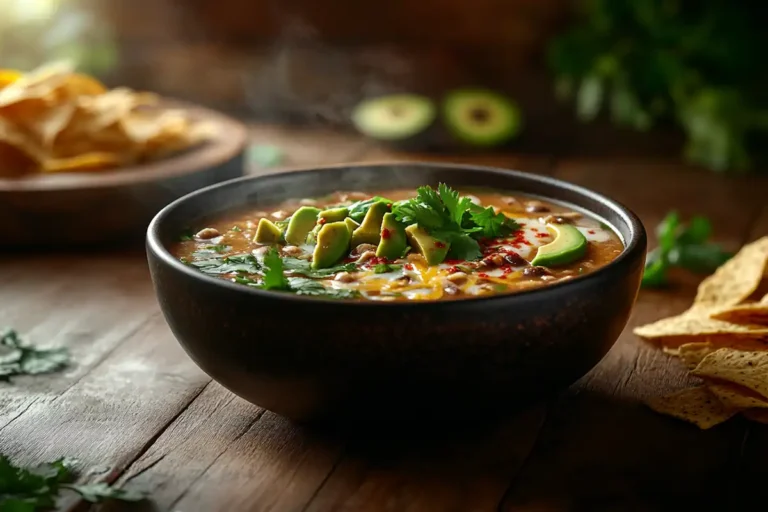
[(683, 246), (19, 358)]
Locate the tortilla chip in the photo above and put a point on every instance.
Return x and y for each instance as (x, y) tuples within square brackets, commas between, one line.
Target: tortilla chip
[(85, 162), (691, 327), (693, 353), (737, 397), (694, 405), (736, 279), (755, 313), (758, 415), (745, 368)]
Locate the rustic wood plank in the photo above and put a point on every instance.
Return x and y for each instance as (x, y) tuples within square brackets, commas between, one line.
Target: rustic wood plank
[(304, 147), (600, 449), (530, 163)]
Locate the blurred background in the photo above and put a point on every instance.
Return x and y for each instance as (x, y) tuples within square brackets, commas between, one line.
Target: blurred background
[(666, 78)]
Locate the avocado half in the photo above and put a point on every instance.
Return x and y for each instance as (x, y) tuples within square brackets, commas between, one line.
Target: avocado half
[(395, 117), (481, 117)]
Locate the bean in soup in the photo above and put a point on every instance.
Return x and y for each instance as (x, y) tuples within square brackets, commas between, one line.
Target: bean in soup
[(434, 245)]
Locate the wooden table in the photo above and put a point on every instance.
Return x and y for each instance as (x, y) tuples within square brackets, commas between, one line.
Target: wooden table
[(134, 408)]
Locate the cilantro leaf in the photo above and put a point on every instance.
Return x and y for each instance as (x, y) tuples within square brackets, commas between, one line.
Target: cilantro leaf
[(37, 488), (101, 491), (236, 263), (274, 278), (18, 358), (358, 210), (455, 205), (305, 286), (218, 248), (383, 268), (304, 267), (461, 245), (492, 224)]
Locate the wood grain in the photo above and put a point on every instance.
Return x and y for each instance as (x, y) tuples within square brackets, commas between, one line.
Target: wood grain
[(601, 449)]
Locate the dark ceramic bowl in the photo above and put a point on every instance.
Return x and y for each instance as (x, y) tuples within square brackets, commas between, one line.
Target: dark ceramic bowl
[(314, 359)]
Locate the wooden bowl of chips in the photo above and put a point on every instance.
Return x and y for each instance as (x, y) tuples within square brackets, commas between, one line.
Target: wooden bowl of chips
[(83, 165)]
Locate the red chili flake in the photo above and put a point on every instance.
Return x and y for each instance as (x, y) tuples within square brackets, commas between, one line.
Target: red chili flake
[(534, 229), (452, 262), (385, 234), (439, 244), (408, 266), (542, 235), (482, 274), (389, 205), (453, 270), (591, 231), (322, 221)]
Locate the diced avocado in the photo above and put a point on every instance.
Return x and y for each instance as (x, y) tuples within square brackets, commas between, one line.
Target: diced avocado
[(433, 250), (393, 240), (332, 244), (334, 214), (351, 225), (568, 246), (302, 222), (369, 231), (358, 210), (267, 232)]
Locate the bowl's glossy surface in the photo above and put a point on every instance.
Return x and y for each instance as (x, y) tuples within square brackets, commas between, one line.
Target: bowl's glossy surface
[(312, 359)]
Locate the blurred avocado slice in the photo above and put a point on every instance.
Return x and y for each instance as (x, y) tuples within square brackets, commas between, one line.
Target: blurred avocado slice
[(393, 240), (395, 117), (334, 214), (302, 222), (481, 117), (433, 250), (369, 231)]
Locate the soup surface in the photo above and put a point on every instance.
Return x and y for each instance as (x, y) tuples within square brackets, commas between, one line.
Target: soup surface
[(428, 244)]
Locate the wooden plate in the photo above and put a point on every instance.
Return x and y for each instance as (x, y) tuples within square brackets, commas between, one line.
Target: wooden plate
[(112, 206)]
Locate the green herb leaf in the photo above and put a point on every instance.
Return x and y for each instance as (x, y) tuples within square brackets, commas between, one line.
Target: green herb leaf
[(358, 210), (462, 246), (37, 488), (186, 236), (304, 286), (383, 268), (218, 248), (100, 491), (703, 258), (274, 277), (304, 267), (236, 263), (18, 358), (492, 224), (236, 229)]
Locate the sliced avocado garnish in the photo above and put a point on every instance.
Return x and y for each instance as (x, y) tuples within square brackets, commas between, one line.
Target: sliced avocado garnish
[(369, 231), (393, 239), (433, 250), (568, 246), (481, 117), (351, 225), (302, 222), (358, 210), (267, 232), (332, 244), (334, 214), (394, 117)]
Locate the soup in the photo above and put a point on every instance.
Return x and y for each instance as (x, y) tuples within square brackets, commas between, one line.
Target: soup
[(401, 245)]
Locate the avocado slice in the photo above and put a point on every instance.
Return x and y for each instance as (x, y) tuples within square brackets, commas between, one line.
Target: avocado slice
[(351, 225), (334, 214), (369, 231), (568, 246), (480, 117), (267, 232), (394, 117), (433, 250), (393, 239), (332, 244), (358, 210), (302, 222)]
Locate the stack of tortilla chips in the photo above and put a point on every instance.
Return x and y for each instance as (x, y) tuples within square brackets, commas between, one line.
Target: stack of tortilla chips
[(723, 339)]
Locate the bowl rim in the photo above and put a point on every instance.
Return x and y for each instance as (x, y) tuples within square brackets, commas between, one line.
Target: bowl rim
[(229, 141), (637, 242)]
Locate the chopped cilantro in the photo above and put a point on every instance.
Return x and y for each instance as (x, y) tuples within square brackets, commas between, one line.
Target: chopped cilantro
[(383, 268), (453, 219), (236, 263), (186, 235), (37, 488), (19, 358), (218, 248), (274, 277), (236, 229), (305, 286), (304, 267)]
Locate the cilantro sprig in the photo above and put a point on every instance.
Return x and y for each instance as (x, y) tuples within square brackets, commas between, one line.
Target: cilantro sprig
[(274, 275), (453, 219), (19, 358), (38, 488), (683, 246)]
